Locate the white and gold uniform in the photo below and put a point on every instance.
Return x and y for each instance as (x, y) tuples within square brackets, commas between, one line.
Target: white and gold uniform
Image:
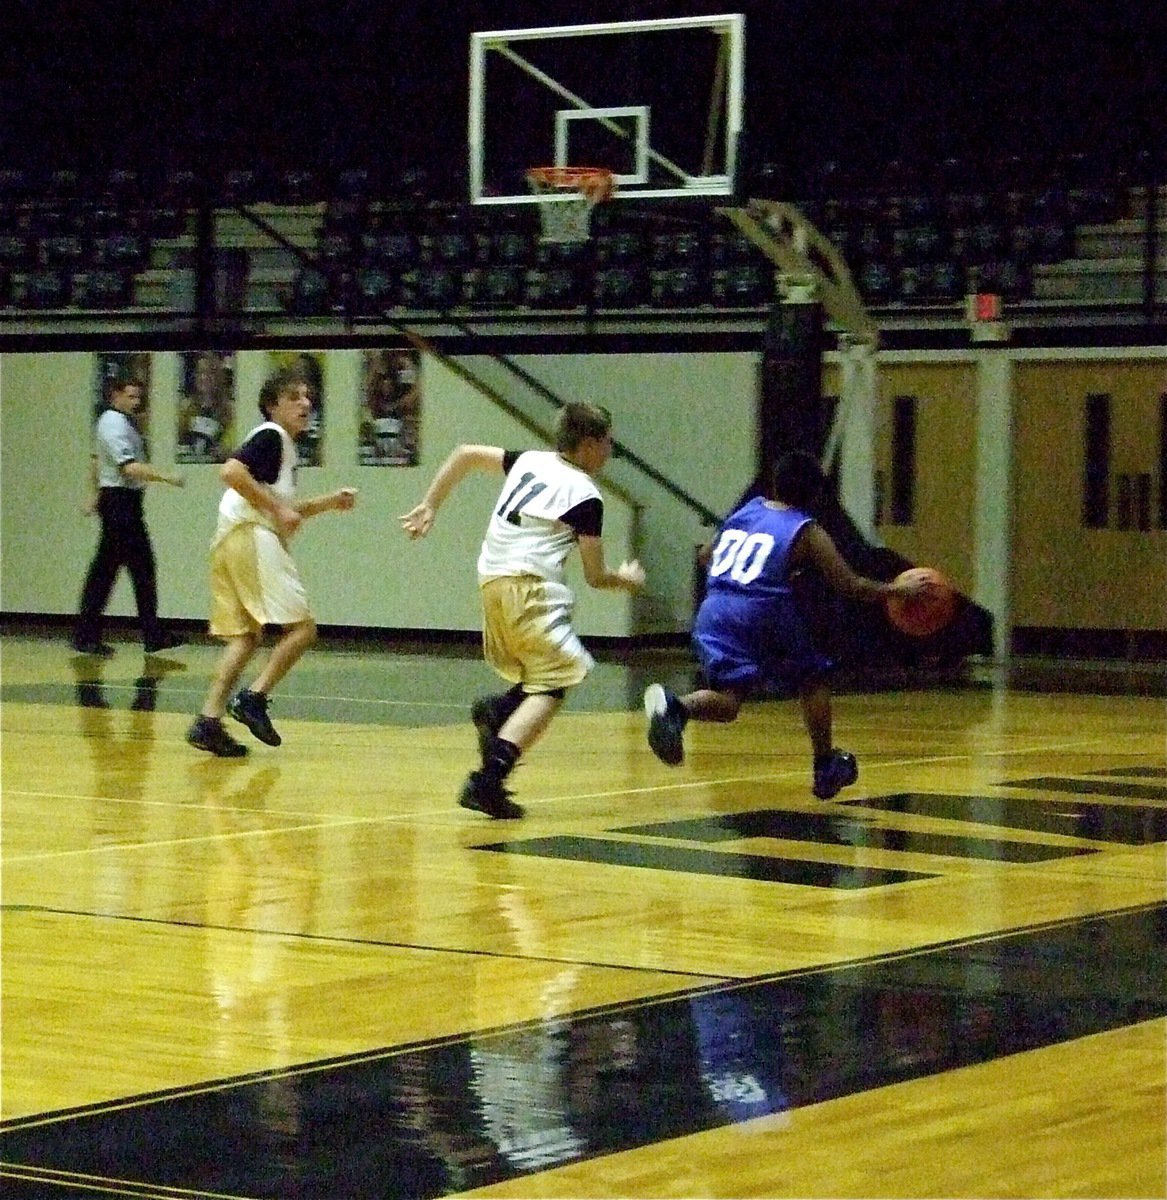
[(254, 581), (544, 505)]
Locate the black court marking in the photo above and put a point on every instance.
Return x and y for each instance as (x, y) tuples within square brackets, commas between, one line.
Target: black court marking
[(706, 862), (471, 1111), (1125, 824), (825, 829), (1091, 787)]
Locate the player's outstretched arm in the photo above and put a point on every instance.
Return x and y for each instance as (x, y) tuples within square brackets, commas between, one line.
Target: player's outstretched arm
[(341, 500), (466, 458), (144, 472), (628, 576), (816, 548)]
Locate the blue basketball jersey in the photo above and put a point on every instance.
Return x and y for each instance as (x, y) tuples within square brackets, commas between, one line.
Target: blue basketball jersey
[(752, 552), (749, 634)]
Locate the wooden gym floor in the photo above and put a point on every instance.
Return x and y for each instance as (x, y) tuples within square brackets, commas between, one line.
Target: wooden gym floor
[(309, 974)]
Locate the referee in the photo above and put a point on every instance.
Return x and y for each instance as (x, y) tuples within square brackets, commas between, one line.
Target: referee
[(120, 475)]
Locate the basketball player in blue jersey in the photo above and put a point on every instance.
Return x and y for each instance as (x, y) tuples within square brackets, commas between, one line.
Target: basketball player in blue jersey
[(548, 505), (749, 635)]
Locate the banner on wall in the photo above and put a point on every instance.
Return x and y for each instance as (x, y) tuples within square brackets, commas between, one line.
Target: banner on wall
[(390, 408), (206, 409), (112, 365), (309, 368)]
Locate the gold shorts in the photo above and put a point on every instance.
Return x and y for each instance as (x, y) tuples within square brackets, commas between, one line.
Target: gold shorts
[(254, 583), (527, 635)]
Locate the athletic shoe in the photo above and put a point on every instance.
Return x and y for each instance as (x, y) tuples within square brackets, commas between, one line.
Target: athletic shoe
[(164, 641), (251, 709), (207, 733), (487, 795), (666, 722), (97, 649), (835, 772)]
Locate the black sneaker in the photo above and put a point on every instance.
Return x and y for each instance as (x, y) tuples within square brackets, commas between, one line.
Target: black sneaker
[(487, 795), (666, 723), (207, 733), (837, 771), (164, 641), (97, 649), (251, 709)]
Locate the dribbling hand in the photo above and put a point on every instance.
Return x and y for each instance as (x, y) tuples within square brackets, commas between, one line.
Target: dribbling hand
[(910, 586)]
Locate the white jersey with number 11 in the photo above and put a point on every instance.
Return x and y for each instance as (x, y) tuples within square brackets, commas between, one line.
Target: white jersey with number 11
[(526, 535)]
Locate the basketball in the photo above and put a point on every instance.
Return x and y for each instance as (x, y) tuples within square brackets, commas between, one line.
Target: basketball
[(926, 613)]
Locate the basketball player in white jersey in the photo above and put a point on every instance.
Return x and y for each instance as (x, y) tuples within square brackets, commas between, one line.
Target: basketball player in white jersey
[(549, 503), (254, 581)]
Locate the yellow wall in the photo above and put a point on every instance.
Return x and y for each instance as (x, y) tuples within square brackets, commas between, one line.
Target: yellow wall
[(942, 533), (1066, 576), (1061, 575)]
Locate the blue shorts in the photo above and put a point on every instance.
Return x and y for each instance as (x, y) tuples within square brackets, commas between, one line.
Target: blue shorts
[(755, 645)]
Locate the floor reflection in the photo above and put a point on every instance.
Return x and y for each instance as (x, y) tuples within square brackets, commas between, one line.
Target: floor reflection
[(481, 1109), (91, 690)]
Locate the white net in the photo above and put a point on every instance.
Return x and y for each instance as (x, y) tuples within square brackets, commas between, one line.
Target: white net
[(566, 197)]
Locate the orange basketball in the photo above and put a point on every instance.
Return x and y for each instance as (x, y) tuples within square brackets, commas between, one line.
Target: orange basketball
[(930, 610)]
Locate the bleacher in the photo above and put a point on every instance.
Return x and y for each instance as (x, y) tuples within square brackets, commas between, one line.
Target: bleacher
[(1072, 234)]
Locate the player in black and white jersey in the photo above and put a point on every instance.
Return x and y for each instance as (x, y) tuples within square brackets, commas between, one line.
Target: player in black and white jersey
[(549, 504), (254, 581)]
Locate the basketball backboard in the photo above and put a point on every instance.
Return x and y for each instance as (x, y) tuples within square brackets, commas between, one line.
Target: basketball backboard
[(658, 103)]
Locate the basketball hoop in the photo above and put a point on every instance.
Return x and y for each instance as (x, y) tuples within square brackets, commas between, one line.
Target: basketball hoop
[(566, 197)]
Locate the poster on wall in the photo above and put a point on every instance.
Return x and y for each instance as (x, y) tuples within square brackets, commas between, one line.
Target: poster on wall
[(390, 408), (206, 409), (115, 365), (309, 368)]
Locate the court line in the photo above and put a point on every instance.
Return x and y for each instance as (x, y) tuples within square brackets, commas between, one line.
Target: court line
[(680, 785), (378, 943), (339, 823), (326, 823), (107, 1185), (201, 806), (866, 765), (329, 698)]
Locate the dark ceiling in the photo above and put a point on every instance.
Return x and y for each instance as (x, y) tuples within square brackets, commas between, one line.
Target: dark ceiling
[(327, 84)]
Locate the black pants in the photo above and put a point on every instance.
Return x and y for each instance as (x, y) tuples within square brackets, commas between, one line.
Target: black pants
[(125, 542)]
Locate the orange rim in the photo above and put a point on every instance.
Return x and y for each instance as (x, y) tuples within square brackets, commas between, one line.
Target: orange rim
[(589, 179)]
